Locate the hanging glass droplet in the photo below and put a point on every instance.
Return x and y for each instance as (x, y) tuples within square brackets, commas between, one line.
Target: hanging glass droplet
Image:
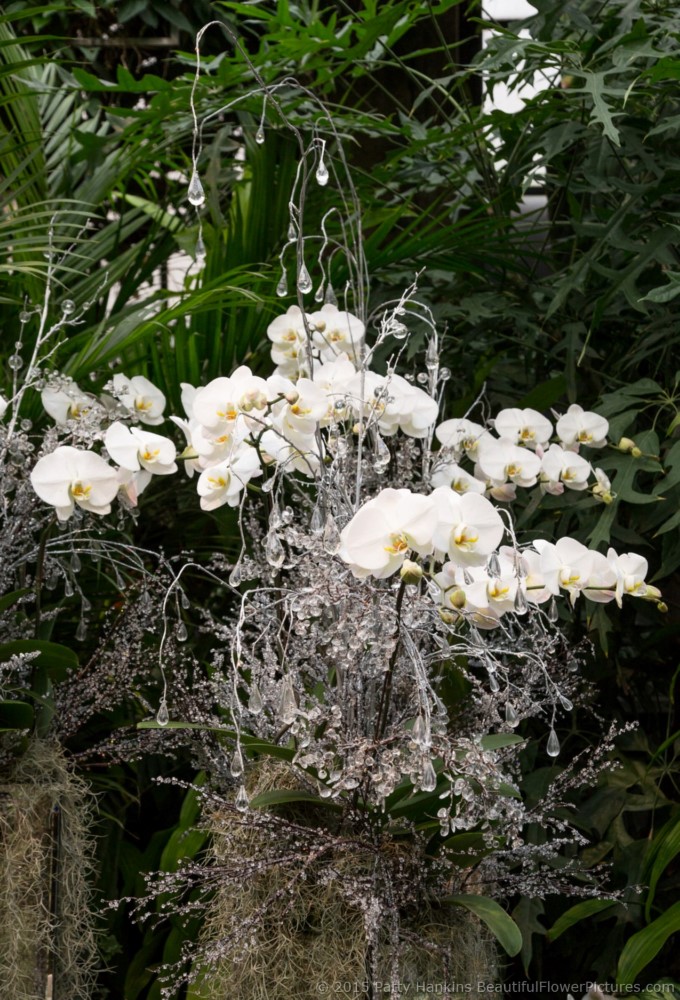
[(288, 705), (235, 576), (420, 731), (163, 716), (322, 174), (399, 331), (184, 600), (274, 550), (259, 136), (182, 632), (282, 287), (317, 522), (521, 606), (199, 251), (304, 282), (331, 536), (330, 297), (68, 588), (428, 782), (268, 485), (68, 307), (76, 564), (493, 683), (467, 577), (381, 455), (553, 613), (511, 716), (565, 703), (292, 233), (81, 631), (255, 704), (236, 767), (318, 294), (432, 356), (493, 566), (241, 800), (195, 193), (553, 746)]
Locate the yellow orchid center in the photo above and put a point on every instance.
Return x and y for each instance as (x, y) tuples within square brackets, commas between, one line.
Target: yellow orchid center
[(217, 482), (143, 404), (460, 486), (80, 491), (584, 437), (496, 590), (568, 577), (465, 537), (526, 434), (150, 456), (513, 469), (398, 544)]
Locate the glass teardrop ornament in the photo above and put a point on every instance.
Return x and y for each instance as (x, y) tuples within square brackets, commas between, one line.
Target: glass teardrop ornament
[(282, 287), (322, 174), (331, 536), (521, 606), (318, 294), (195, 193), (163, 716), (255, 704), (304, 282), (236, 767), (493, 566), (182, 632), (316, 524), (288, 705), (553, 746), (259, 136), (553, 613), (241, 800), (292, 233), (330, 297), (235, 576), (511, 716), (274, 550), (428, 782)]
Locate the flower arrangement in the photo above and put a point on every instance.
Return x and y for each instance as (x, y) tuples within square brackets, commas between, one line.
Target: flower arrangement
[(387, 628)]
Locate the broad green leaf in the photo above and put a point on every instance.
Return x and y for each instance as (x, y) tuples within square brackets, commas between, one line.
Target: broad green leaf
[(644, 946), (501, 925), (53, 658), (497, 741), (575, 914), (282, 797), (665, 847), (15, 715), (9, 599)]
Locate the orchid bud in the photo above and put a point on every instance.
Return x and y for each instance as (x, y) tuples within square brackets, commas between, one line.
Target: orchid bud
[(458, 598), (447, 616), (626, 445), (292, 396), (410, 571)]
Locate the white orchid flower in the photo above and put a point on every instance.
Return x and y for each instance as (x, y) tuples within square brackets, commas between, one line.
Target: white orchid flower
[(65, 404), (310, 407), (336, 332), (223, 483), (450, 474), (502, 460), (579, 426), (534, 582), (601, 584), (462, 435), (287, 329), (68, 476), (560, 468), (469, 528), (527, 427), (291, 451), (140, 397), (218, 405), (334, 377), (631, 571), (3, 406), (565, 565), (134, 448), (383, 533)]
